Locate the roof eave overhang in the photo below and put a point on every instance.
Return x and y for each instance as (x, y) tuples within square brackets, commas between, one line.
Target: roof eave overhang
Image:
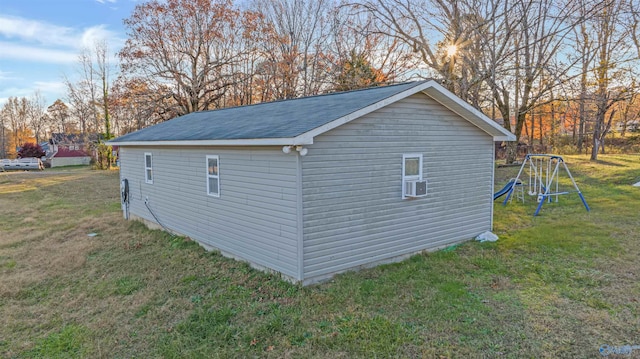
[(512, 137), (235, 142)]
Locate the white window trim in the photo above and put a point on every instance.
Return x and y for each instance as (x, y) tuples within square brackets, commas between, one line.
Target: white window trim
[(410, 178), (146, 169), (217, 158)]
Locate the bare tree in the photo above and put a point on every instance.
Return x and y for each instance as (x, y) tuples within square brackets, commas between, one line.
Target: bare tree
[(294, 52), (36, 114), (83, 93), (360, 55), (15, 114), (582, 46), (442, 34), (102, 69), (135, 106), (247, 73), (628, 110), (634, 24), (186, 46), (538, 38), (509, 49), (59, 114), (89, 95), (24, 117), (466, 45), (3, 136), (613, 51)]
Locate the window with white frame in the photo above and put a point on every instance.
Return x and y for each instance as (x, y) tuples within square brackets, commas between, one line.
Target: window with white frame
[(411, 170), (213, 176), (148, 168)]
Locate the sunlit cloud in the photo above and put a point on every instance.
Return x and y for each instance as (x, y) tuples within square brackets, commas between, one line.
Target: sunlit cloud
[(95, 34)]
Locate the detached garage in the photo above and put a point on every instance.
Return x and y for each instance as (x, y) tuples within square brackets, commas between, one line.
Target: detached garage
[(315, 186)]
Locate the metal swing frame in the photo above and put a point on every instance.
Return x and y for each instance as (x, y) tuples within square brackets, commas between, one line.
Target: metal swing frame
[(541, 181)]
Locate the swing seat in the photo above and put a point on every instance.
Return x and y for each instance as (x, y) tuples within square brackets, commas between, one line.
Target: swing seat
[(541, 181)]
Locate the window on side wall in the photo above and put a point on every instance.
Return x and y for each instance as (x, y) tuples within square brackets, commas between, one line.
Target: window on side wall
[(412, 181), (148, 168), (213, 176)]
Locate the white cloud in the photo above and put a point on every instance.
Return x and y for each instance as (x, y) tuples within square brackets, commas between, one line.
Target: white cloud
[(50, 86), (95, 34), (50, 90), (47, 35), (5, 93), (36, 54), (35, 31), (4, 75), (106, 1)]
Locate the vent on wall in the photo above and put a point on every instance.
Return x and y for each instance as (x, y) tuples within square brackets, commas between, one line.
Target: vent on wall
[(415, 188)]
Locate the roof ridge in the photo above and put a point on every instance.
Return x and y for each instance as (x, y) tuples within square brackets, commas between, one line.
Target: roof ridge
[(316, 95)]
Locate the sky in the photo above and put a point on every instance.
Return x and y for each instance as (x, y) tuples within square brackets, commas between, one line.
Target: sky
[(40, 41)]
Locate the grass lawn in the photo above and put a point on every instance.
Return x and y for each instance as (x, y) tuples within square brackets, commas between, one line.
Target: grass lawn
[(557, 285)]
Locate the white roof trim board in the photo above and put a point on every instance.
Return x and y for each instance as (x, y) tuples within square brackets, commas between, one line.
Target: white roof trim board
[(430, 87), (239, 142), (468, 112)]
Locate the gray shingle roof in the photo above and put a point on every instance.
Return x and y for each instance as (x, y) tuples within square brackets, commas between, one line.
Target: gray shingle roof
[(279, 119)]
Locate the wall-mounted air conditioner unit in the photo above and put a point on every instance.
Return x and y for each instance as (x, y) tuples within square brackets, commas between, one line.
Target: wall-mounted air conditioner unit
[(415, 188)]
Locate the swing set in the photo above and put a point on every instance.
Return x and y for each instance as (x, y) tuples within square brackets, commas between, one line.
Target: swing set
[(544, 173)]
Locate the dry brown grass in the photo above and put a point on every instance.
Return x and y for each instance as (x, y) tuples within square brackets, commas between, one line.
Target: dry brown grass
[(558, 285), (46, 218), (44, 243), (54, 276)]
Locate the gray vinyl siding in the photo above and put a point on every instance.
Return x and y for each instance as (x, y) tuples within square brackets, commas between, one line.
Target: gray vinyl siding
[(255, 217), (353, 211)]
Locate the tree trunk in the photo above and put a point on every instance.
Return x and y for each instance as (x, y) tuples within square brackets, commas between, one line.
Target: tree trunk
[(3, 153), (552, 136), (532, 135), (540, 128), (596, 144), (581, 126), (598, 126), (512, 151)]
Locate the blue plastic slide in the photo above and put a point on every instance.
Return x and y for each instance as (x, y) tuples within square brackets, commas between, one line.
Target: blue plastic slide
[(504, 189)]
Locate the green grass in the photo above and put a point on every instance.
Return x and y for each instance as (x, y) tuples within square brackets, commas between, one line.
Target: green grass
[(557, 285), (66, 343)]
